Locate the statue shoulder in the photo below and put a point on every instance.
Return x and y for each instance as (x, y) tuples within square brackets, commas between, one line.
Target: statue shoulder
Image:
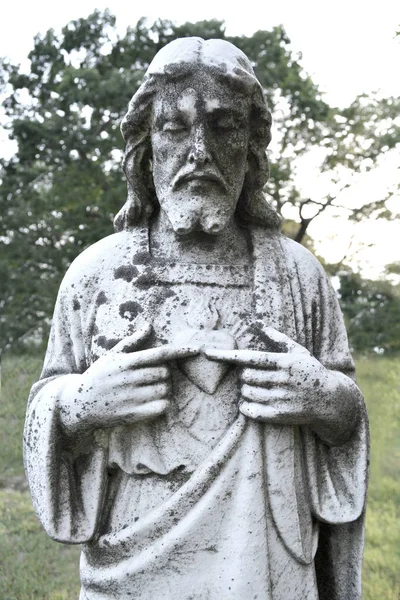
[(306, 264), (100, 260), (296, 256)]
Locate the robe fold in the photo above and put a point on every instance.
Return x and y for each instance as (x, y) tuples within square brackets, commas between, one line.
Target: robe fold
[(202, 503)]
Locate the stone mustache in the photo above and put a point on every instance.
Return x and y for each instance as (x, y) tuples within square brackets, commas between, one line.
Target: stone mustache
[(196, 425)]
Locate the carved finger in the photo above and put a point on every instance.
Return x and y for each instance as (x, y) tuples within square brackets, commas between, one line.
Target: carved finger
[(278, 413), (135, 378), (142, 412), (146, 393), (155, 356), (266, 378), (146, 375), (251, 358), (264, 395), (258, 412), (151, 409)]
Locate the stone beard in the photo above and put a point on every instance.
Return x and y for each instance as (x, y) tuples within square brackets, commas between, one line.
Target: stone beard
[(182, 429)]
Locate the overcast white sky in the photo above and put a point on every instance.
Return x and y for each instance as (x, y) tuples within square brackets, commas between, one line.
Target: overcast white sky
[(348, 46)]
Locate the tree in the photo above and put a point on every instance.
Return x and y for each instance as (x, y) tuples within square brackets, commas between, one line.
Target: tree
[(59, 192), (372, 313)]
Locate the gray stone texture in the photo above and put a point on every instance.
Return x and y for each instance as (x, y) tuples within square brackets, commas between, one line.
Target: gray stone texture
[(196, 425)]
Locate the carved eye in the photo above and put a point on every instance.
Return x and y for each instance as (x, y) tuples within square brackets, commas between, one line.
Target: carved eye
[(226, 123)]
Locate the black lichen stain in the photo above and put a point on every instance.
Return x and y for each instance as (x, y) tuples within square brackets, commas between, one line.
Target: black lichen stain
[(101, 299), (142, 258), (126, 272), (168, 293), (130, 310), (163, 293), (76, 304), (92, 329), (145, 280), (211, 549), (105, 343), (268, 345), (131, 329)]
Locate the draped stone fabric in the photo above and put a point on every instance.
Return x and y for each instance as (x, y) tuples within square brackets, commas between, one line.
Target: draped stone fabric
[(202, 500)]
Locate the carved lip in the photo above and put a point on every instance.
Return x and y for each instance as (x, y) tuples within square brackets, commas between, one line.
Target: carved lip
[(199, 176)]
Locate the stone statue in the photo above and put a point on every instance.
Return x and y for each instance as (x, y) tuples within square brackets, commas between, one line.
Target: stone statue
[(196, 425)]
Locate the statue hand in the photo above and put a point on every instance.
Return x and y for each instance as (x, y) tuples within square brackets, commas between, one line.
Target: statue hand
[(293, 388), (121, 387)]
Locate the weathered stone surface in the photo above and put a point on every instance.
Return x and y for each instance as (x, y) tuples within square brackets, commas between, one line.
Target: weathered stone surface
[(196, 425)]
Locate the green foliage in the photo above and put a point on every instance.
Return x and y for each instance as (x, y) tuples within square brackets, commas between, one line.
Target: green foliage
[(372, 313), (58, 194), (393, 268), (368, 127)]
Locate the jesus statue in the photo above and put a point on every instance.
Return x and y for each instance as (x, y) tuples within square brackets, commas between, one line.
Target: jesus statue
[(196, 426)]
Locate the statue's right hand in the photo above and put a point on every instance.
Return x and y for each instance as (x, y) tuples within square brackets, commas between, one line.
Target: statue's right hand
[(121, 387)]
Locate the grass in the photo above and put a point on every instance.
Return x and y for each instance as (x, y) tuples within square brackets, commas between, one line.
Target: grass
[(379, 379), (34, 567), (18, 375)]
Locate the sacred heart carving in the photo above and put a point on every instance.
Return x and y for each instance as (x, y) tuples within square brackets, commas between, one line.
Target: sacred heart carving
[(204, 373)]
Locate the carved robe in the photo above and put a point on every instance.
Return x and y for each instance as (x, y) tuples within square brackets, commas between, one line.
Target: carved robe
[(202, 502)]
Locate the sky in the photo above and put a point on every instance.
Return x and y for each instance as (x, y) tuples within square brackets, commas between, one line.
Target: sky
[(348, 47)]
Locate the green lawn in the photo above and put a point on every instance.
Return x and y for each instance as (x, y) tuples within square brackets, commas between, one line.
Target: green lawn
[(379, 380), (34, 567)]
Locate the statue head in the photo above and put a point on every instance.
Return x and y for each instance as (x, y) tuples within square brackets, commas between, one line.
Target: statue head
[(196, 134)]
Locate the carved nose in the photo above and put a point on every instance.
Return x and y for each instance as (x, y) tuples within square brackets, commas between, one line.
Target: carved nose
[(198, 153)]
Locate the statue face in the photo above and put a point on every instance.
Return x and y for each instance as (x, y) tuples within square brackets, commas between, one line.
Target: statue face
[(200, 135)]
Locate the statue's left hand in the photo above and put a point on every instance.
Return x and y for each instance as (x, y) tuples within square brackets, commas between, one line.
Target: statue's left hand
[(293, 388)]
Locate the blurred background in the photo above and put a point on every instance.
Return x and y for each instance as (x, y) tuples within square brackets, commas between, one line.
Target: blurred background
[(330, 74)]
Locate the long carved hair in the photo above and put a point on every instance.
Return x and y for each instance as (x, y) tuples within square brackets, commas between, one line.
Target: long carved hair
[(176, 61)]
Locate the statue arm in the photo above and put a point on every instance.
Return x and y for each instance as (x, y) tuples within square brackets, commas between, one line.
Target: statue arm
[(337, 474), (66, 477)]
